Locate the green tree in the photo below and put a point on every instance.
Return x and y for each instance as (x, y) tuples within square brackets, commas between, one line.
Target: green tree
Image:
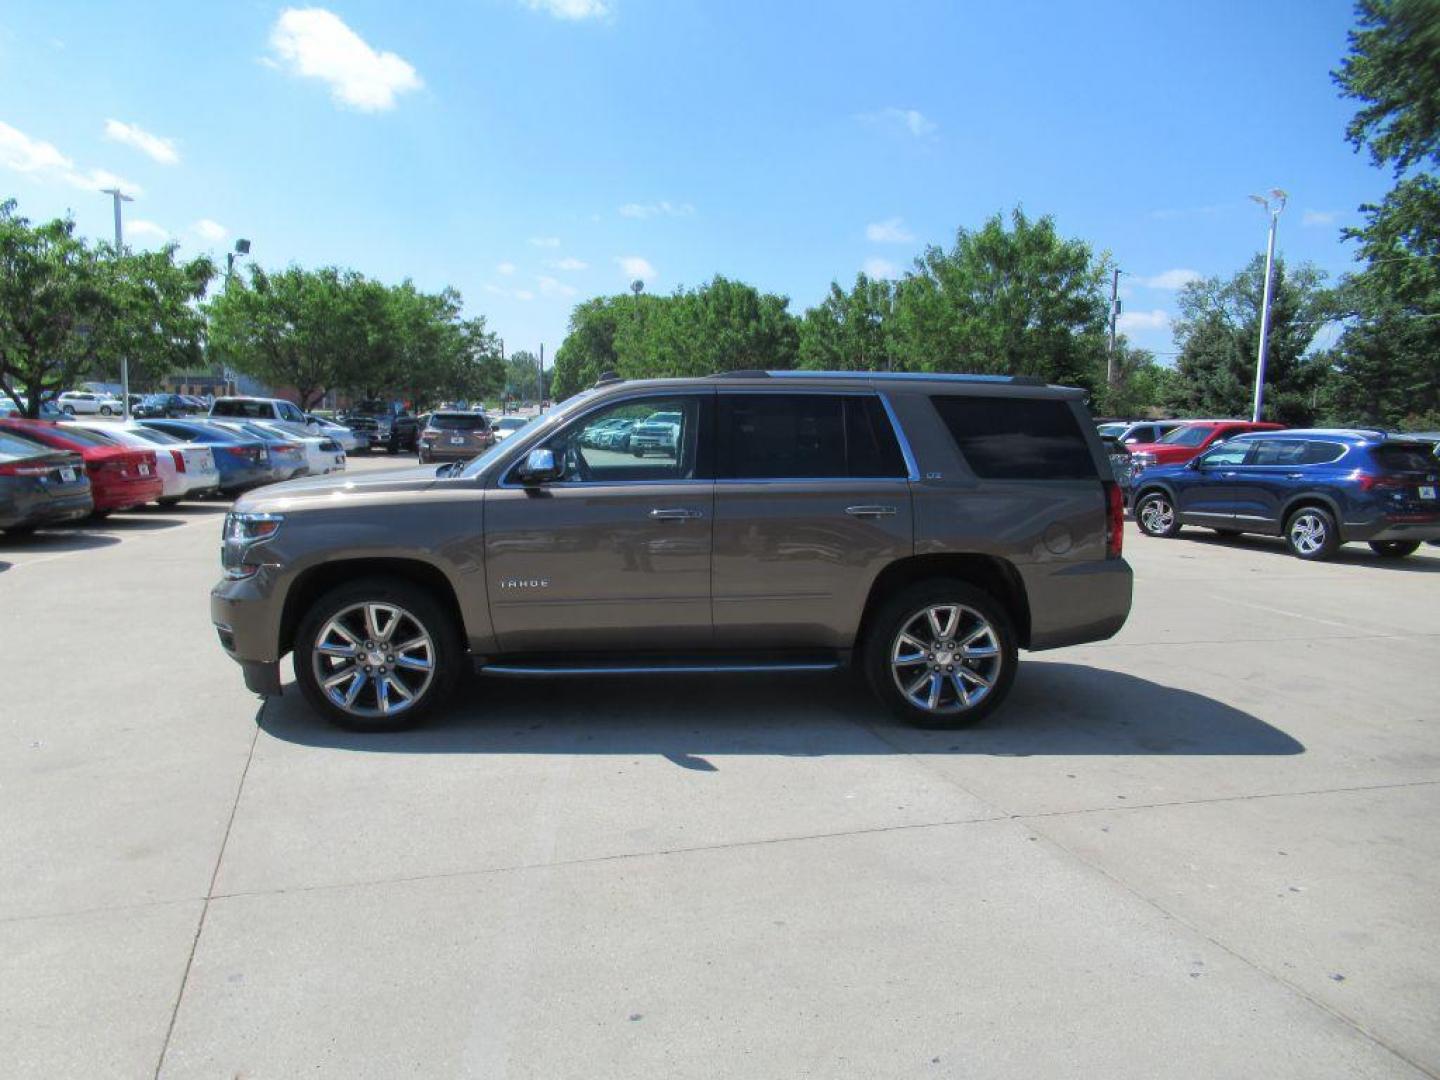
[(1387, 362), (1142, 385), (1016, 301), (522, 376), (68, 309), (849, 331), (588, 350), (1219, 336)]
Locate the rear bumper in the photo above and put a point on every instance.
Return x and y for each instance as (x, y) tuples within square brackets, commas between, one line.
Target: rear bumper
[(128, 494), (1418, 527), (45, 510), (1075, 604)]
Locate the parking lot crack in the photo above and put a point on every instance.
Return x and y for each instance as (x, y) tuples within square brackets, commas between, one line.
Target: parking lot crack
[(209, 895)]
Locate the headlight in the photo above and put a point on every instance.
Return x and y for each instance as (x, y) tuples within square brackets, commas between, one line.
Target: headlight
[(1142, 460), (240, 533)]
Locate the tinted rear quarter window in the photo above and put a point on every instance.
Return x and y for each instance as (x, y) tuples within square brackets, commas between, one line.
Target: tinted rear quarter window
[(1405, 457), (806, 436), (1017, 438)]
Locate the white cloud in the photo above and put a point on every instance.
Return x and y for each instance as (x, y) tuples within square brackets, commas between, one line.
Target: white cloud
[(568, 263), (880, 268), (210, 230), (660, 209), (140, 228), (550, 286), (157, 147), (511, 294), (910, 122), (1315, 218), (46, 163), (890, 231), (636, 267), (1171, 279), (316, 44), (545, 241), (1131, 321), (573, 10), (506, 268)]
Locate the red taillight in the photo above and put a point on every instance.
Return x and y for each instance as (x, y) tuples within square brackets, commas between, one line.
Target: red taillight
[(242, 451), (287, 446), (1115, 521), (1370, 482), (179, 460)]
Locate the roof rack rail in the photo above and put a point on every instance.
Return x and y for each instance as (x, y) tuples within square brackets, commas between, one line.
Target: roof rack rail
[(741, 375), (608, 377)]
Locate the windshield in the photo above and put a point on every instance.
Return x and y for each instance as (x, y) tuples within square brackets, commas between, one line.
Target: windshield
[(1113, 430), (1192, 435)]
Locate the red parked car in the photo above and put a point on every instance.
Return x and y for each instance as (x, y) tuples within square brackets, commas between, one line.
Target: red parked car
[(120, 477), (1191, 439)]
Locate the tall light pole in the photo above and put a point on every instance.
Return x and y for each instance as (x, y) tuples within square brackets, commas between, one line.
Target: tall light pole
[(1272, 204), (1114, 315), (119, 197)]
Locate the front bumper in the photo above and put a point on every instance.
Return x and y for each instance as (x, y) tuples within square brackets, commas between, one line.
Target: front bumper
[(247, 626)]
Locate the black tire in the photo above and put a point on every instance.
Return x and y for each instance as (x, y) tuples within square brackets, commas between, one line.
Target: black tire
[(909, 606), (419, 606), (393, 446), (1395, 549), (170, 500), (1156, 515), (1311, 533), (68, 410), (99, 515), (21, 530), (105, 410), (638, 453)]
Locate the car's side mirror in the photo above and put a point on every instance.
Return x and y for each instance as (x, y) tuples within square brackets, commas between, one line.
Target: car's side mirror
[(1195, 463), (539, 468)]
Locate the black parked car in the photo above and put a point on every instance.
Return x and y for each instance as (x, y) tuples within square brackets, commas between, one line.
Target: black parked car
[(159, 406), (40, 485)]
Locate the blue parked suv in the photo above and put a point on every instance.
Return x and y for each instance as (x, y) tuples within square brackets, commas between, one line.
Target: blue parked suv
[(1317, 488)]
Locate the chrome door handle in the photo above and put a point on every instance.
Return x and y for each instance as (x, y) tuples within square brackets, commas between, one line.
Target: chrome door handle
[(1294, 476), (675, 515), (870, 511)]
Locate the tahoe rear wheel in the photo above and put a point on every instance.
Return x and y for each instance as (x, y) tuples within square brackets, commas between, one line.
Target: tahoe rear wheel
[(1311, 533), (1155, 514), (376, 655), (1394, 549), (941, 654)]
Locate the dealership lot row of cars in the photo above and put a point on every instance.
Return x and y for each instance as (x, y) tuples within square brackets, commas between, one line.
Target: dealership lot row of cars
[(1317, 488)]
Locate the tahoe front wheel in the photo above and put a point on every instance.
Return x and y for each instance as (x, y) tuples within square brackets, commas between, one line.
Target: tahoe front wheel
[(377, 655), (941, 654)]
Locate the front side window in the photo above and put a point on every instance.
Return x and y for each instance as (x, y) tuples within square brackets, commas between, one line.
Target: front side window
[(1231, 453), (805, 436), (664, 443)]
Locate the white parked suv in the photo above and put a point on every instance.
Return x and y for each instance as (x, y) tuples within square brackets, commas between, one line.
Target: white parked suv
[(277, 410), (84, 403)]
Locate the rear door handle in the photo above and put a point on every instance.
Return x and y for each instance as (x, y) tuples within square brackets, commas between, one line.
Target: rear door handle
[(1294, 476), (675, 514), (870, 511)]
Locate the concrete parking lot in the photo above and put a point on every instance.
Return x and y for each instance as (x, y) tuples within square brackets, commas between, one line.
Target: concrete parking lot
[(1206, 848)]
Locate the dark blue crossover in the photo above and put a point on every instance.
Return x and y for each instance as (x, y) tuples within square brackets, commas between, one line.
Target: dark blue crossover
[(1317, 488)]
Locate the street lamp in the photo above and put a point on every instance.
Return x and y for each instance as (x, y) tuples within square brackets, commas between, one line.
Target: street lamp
[(1272, 204), (119, 197), (242, 247)]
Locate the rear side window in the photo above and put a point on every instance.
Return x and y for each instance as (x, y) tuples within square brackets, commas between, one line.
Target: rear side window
[(254, 410), (806, 436), (1322, 453), (1279, 452), (1017, 438)]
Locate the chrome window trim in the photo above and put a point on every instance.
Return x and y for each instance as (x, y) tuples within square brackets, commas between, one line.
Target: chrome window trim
[(912, 468)]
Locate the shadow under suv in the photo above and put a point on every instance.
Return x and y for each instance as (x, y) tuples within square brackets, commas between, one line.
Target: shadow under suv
[(925, 527)]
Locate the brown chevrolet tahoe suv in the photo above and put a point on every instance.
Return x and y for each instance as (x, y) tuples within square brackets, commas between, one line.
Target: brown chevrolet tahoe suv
[(920, 527)]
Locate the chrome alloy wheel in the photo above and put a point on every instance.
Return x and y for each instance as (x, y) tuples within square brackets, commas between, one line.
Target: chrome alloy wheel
[(1157, 514), (946, 658), (374, 660), (1307, 533)]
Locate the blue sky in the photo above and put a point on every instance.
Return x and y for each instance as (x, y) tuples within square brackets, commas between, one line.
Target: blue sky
[(536, 152)]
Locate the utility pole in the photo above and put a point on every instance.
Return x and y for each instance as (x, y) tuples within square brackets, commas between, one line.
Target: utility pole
[(119, 197), (540, 398), (1273, 211), (1110, 374)]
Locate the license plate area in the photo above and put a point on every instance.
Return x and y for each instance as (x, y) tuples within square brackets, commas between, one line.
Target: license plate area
[(1427, 491), (67, 475)]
